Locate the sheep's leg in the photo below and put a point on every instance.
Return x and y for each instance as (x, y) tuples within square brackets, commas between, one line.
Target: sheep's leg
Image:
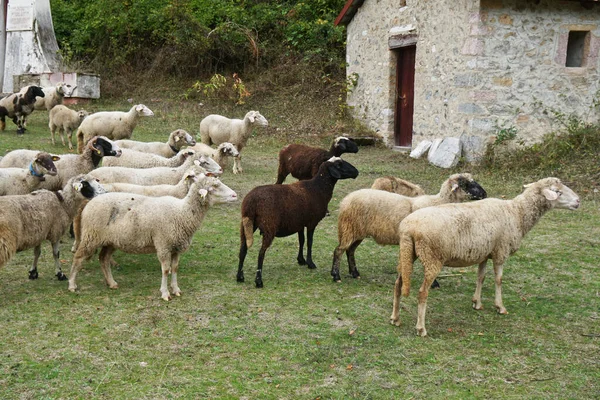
[(266, 242), (310, 233), (83, 252), (52, 129), (67, 132), (20, 129), (480, 278), (300, 258), (237, 165), (498, 279), (351, 260), (395, 318), (242, 257), (57, 269), (432, 269), (165, 263), (33, 272), (174, 268), (335, 266), (105, 262)]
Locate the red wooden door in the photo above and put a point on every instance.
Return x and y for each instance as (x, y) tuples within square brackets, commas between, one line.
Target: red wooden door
[(405, 91)]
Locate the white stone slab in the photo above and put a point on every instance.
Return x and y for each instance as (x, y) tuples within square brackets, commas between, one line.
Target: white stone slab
[(421, 149), (447, 154)]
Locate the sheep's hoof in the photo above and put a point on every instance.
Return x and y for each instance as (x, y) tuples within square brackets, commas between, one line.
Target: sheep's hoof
[(301, 261), (355, 275), (33, 274), (311, 265), (166, 297), (395, 321), (435, 284), (113, 286), (477, 306), (240, 278), (60, 276), (177, 293), (72, 288), (502, 310), (259, 284), (422, 332)]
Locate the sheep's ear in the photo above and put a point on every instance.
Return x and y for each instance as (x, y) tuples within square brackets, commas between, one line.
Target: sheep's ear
[(203, 193), (177, 138), (550, 195), (55, 158), (139, 107), (455, 187), (527, 185), (77, 186), (251, 117), (334, 172)]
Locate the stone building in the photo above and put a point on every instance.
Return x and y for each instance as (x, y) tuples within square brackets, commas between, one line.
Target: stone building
[(470, 68)]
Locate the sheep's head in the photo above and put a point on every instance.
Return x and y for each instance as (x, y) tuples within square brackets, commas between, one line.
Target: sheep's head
[(463, 186), (33, 92), (103, 146), (143, 111), (342, 145), (209, 165), (82, 114), (179, 138), (45, 164), (256, 118), (65, 89), (213, 191), (228, 149), (339, 169), (86, 185), (558, 194)]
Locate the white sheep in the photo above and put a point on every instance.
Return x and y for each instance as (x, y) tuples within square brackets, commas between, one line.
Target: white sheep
[(69, 165), (377, 214), (398, 186), (130, 223), (217, 129), (459, 235), (15, 181), (177, 140), (114, 125), (139, 159), (27, 220), (65, 120), (156, 175), (220, 154), (178, 190)]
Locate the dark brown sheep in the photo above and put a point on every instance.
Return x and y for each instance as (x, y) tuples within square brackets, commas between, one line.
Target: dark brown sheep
[(303, 161), (283, 210)]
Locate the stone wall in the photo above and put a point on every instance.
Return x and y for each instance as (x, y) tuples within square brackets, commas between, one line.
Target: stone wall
[(480, 66)]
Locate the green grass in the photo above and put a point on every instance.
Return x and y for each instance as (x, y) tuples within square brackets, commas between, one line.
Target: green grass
[(303, 336)]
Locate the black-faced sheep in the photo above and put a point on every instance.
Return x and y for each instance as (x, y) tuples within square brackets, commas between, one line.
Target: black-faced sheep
[(459, 235), (283, 210), (399, 186), (377, 214), (65, 120), (114, 125), (130, 222), (216, 129), (176, 141), (18, 105), (15, 181), (303, 161), (27, 220)]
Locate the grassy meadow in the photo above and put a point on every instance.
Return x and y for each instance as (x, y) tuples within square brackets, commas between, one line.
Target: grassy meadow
[(303, 336)]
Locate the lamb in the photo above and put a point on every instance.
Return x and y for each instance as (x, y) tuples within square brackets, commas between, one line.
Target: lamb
[(156, 175), (398, 186), (377, 214), (128, 222), (219, 154), (15, 181), (139, 159), (216, 129), (114, 125), (69, 165), (177, 140), (27, 220), (179, 190), (459, 235), (303, 161), (282, 210), (18, 105), (65, 120)]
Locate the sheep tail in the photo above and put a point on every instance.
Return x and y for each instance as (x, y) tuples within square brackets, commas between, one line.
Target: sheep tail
[(8, 248), (247, 231), (405, 265)]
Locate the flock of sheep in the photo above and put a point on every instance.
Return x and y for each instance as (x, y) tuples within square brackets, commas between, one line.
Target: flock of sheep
[(111, 190)]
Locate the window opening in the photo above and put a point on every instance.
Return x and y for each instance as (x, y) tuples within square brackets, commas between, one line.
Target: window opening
[(577, 48)]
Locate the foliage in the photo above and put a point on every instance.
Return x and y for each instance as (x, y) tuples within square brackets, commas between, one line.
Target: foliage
[(505, 134), (217, 88)]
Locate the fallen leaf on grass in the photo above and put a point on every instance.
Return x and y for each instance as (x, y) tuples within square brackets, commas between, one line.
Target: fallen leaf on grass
[(349, 367)]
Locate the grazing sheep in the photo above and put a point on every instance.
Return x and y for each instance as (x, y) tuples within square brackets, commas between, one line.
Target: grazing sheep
[(18, 105), (114, 125), (130, 223), (27, 220), (219, 154), (216, 129), (177, 140), (69, 165), (303, 161), (459, 235), (139, 159), (282, 210), (156, 175), (398, 186), (377, 214), (15, 181), (65, 120)]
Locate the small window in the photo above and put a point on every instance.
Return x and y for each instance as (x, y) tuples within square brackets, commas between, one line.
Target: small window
[(577, 48)]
